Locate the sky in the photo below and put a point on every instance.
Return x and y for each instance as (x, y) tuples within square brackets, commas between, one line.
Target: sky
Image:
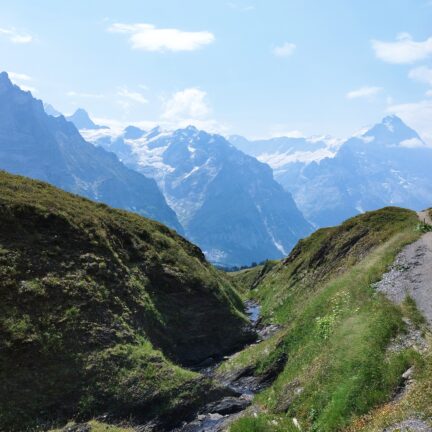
[(258, 68)]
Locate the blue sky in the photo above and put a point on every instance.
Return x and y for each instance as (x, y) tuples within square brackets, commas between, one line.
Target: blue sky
[(257, 68)]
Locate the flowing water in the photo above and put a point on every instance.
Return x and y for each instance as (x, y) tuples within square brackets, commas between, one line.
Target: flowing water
[(216, 416)]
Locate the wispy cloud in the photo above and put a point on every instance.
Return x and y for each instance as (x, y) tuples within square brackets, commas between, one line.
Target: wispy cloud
[(23, 81), (14, 36), (148, 37), (422, 74), (365, 92), (417, 115), (132, 96), (241, 8), (82, 95), (19, 76), (404, 50), (284, 50)]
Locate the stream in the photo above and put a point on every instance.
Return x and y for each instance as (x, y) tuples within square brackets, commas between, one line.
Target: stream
[(216, 416)]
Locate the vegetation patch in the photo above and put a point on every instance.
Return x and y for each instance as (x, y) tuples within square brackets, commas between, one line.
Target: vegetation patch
[(99, 307), (335, 327)]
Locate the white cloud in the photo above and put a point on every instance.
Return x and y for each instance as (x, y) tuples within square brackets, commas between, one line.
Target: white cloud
[(147, 37), (403, 50), (429, 93), (19, 76), (284, 50), (15, 37), (413, 143), (241, 8), (277, 133), (84, 95), (132, 96), (365, 92), (187, 103), (418, 115), (422, 74), (22, 81)]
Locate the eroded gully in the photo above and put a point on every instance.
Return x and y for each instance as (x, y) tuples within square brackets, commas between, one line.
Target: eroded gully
[(241, 386)]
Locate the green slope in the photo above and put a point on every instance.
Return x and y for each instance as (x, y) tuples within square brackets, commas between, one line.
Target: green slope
[(97, 308), (335, 328)]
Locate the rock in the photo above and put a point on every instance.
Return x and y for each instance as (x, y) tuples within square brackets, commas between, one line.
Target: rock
[(275, 369), (228, 405), (291, 391), (410, 425), (408, 374)]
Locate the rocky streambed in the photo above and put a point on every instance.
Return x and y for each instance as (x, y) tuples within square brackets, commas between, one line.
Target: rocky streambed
[(240, 386)]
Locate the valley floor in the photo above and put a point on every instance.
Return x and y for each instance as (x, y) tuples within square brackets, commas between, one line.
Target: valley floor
[(338, 356)]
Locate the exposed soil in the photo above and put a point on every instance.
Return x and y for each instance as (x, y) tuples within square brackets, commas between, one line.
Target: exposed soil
[(411, 425), (411, 274)]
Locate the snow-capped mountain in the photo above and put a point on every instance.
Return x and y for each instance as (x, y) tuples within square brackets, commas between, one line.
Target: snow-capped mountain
[(48, 148), (281, 152), (387, 164), (228, 202)]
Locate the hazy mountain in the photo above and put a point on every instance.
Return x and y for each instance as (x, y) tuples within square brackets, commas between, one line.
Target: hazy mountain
[(389, 164), (82, 120), (50, 110), (228, 202), (48, 148)]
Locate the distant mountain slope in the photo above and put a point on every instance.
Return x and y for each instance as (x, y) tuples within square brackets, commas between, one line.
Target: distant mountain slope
[(97, 305), (50, 110), (389, 164), (48, 148), (82, 120), (281, 151), (228, 202)]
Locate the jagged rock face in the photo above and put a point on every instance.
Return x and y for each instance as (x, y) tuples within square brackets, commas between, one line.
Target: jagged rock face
[(228, 202), (389, 164), (49, 148)]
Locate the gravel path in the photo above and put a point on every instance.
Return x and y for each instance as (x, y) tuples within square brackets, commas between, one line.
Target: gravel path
[(411, 273), (412, 425)]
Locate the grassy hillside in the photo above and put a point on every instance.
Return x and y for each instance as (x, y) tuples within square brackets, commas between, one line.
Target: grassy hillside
[(335, 328), (98, 306), (247, 279)]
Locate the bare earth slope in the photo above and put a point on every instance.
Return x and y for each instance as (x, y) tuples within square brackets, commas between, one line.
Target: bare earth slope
[(411, 273)]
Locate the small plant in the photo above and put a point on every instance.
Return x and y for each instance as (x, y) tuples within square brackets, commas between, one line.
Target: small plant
[(325, 325), (424, 227)]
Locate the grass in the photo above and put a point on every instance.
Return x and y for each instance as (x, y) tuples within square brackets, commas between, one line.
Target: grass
[(97, 426), (417, 403), (335, 327), (98, 308), (247, 279)]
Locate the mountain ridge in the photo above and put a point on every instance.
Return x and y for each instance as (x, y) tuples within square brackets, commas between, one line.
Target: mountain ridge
[(50, 148), (385, 164), (228, 202)]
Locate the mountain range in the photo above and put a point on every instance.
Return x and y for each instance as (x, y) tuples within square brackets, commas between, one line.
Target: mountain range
[(241, 201), (386, 164), (49, 148), (228, 202)]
